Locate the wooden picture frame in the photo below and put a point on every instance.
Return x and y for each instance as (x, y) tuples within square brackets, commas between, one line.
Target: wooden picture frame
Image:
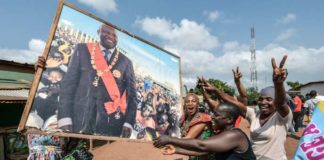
[(157, 83)]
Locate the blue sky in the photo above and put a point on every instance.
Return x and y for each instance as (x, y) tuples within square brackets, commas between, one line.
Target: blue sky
[(211, 37), (161, 66)]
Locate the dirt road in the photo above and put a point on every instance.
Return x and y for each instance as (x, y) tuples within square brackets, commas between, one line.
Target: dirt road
[(141, 150)]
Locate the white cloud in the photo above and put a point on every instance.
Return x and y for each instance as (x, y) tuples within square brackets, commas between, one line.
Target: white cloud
[(144, 53), (174, 60), (187, 35), (304, 64), (103, 6), (290, 17), (36, 48), (36, 45), (285, 35), (233, 46), (212, 15), (189, 81), (67, 22)]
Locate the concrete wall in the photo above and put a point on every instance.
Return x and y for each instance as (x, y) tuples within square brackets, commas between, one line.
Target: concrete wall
[(319, 87)]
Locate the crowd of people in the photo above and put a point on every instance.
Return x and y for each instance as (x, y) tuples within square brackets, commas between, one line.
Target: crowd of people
[(303, 106), (268, 122), (209, 134)]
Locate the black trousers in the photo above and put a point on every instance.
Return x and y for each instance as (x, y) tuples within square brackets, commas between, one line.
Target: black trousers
[(109, 125), (297, 120)]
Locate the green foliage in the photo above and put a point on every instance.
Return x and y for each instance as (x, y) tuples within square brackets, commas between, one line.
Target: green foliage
[(218, 84), (253, 95), (294, 86)]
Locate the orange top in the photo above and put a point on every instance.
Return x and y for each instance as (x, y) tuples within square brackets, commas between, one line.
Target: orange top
[(298, 103)]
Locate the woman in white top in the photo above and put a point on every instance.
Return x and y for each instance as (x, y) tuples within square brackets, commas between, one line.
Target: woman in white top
[(269, 123)]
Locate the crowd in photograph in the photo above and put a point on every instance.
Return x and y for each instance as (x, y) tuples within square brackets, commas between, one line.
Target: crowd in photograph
[(157, 111)]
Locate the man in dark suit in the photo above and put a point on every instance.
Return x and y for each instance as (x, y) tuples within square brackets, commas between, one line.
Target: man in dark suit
[(98, 79)]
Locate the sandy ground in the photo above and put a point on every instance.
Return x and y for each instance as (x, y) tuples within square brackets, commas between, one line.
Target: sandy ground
[(122, 150)]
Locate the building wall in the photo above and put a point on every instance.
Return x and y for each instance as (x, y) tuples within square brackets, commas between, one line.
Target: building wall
[(319, 87), (15, 75)]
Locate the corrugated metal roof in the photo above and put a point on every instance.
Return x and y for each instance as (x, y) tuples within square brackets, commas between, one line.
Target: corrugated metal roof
[(13, 95), (15, 81), (15, 75), (17, 64), (309, 83)]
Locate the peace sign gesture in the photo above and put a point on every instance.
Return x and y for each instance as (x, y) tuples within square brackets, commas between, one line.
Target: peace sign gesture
[(237, 74), (279, 73)]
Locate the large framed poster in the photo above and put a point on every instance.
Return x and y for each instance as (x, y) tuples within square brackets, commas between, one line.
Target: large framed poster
[(103, 81)]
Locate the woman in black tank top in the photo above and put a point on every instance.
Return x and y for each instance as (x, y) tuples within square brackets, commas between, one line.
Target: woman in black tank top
[(237, 155), (228, 143)]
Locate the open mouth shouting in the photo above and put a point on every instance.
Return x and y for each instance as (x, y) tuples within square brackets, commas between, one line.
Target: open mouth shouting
[(191, 109)]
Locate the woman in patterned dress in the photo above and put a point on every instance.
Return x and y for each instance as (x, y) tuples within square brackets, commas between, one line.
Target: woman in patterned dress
[(194, 124)]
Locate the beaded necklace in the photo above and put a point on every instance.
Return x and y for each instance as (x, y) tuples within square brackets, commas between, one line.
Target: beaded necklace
[(99, 73)]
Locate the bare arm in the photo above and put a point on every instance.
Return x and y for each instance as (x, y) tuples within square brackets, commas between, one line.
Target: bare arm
[(183, 151), (195, 130), (170, 149), (211, 103), (241, 89), (222, 142), (225, 97), (279, 76)]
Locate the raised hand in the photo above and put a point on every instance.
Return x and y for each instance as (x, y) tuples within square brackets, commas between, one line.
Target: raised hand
[(279, 73), (200, 83), (206, 86), (237, 74)]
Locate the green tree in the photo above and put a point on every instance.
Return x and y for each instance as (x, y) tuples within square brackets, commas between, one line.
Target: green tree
[(218, 84), (294, 86), (253, 95)]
